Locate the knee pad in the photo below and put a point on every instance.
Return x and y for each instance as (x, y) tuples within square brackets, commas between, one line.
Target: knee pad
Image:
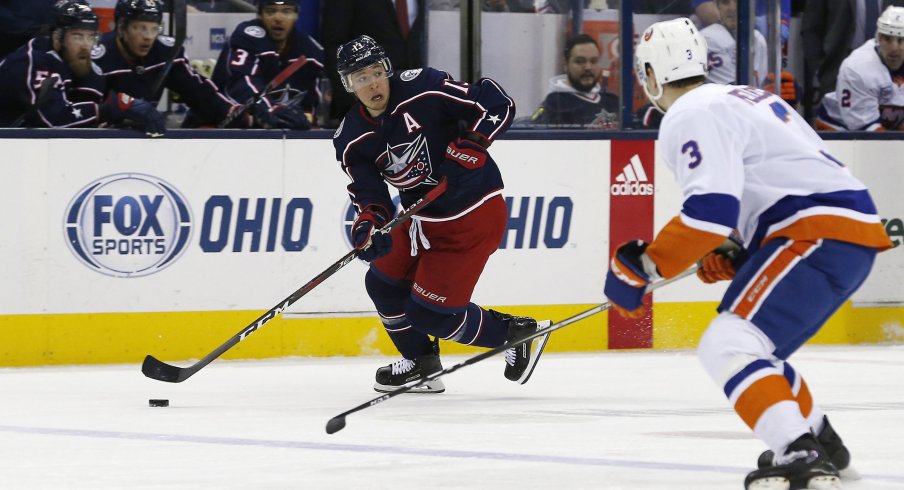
[(730, 344), (388, 298)]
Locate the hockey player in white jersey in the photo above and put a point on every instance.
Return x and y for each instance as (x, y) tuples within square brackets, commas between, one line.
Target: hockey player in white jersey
[(869, 94), (747, 162), (722, 47)]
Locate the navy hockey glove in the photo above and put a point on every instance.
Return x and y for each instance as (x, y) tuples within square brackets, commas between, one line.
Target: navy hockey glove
[(467, 153), (291, 115), (262, 118), (629, 273), (119, 106), (366, 236), (463, 156)]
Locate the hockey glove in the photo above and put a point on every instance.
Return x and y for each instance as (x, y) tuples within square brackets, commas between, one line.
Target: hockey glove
[(370, 243), (290, 115), (463, 156), (629, 273), (119, 106), (722, 263), (891, 116), (788, 91), (262, 117)]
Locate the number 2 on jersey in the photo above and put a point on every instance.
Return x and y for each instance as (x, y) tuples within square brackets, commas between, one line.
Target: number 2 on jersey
[(692, 149)]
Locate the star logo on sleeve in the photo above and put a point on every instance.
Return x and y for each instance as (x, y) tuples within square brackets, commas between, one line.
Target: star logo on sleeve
[(493, 118), (76, 113)]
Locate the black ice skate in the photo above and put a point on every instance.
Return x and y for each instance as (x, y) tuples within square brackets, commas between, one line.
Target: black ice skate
[(521, 360), (837, 453), (406, 371), (803, 466)]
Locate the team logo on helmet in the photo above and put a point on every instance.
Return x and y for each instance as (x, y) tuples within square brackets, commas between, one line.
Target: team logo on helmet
[(128, 225), (407, 165)]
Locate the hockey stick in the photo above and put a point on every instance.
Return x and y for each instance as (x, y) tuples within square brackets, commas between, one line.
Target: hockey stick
[(337, 423), (40, 99), (278, 80), (178, 18), (153, 368)]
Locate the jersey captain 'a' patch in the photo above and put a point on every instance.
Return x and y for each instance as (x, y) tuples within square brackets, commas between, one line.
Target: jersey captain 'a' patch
[(407, 165)]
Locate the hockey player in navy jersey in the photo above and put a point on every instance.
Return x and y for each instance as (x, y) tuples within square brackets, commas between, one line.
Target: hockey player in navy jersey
[(260, 49), (134, 56), (410, 131), (748, 164), (76, 98)]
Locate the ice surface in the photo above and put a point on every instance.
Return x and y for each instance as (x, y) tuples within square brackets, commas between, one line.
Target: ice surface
[(609, 421)]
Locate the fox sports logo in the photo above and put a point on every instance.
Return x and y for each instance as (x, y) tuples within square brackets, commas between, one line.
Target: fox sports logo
[(128, 225)]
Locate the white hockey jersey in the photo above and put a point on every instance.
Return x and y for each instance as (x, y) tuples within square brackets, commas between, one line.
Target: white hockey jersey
[(722, 53), (746, 160), (864, 85)]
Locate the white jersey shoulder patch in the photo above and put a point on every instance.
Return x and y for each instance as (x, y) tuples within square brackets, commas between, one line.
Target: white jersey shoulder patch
[(166, 41), (409, 75), (256, 31), (98, 51), (96, 69)]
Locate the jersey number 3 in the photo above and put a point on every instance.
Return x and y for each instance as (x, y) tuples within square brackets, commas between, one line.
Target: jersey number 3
[(692, 149)]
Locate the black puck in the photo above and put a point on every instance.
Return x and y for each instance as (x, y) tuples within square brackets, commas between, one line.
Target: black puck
[(158, 402)]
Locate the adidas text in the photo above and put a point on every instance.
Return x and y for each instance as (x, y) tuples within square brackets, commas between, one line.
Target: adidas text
[(632, 189)]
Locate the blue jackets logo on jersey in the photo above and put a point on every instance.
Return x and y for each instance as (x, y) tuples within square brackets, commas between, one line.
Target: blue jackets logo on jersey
[(128, 225), (408, 169)]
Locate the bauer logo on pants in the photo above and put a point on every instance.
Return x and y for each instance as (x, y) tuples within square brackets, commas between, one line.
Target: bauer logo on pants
[(128, 225)]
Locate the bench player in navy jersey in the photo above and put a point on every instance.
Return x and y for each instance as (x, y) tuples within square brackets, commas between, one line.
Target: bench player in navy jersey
[(76, 98), (134, 56), (410, 131), (258, 50)]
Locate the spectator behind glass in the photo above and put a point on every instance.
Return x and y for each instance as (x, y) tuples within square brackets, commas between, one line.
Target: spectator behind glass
[(261, 48), (404, 41), (74, 99), (577, 97), (20, 21), (870, 90)]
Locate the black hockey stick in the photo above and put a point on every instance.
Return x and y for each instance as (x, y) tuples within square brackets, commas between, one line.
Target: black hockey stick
[(278, 80), (153, 368), (179, 19), (40, 99), (337, 423)]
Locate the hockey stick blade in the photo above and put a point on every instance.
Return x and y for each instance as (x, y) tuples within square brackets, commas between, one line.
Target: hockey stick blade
[(337, 423), (278, 80), (161, 371), (40, 98)]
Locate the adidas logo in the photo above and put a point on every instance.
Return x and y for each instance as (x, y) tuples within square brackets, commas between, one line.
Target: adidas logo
[(632, 180)]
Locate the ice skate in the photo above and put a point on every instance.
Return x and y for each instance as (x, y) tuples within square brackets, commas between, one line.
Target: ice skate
[(406, 372), (804, 466), (521, 360), (835, 450)]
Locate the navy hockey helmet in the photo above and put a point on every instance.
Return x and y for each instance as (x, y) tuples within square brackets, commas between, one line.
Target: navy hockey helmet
[(74, 14), (293, 3), (139, 10), (357, 54)]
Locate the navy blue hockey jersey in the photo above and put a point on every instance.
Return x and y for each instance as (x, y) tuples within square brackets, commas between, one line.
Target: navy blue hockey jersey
[(406, 145), (137, 80), (250, 60), (70, 102)]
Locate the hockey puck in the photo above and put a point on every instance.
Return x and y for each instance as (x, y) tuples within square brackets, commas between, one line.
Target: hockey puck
[(158, 402)]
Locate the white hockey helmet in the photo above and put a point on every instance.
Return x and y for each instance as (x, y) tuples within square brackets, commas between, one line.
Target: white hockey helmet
[(891, 22), (674, 49)]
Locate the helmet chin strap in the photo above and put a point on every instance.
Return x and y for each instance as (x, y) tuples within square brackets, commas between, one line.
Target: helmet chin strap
[(654, 99)]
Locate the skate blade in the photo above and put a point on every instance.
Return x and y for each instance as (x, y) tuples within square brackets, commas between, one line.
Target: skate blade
[(539, 345), (434, 386), (849, 474), (827, 482)]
